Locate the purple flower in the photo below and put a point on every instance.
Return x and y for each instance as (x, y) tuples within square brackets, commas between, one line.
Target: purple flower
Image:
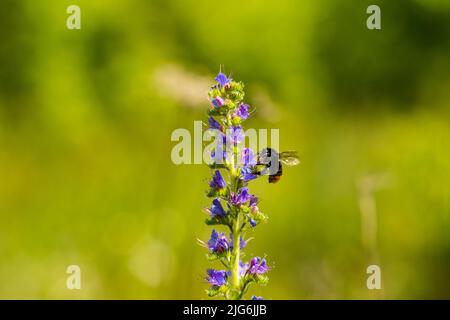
[(256, 298), (247, 174), (242, 242), (216, 277), (243, 268), (258, 266), (248, 158), (222, 79), (218, 242), (241, 197), (219, 154), (236, 134), (253, 201), (217, 181), (216, 209), (251, 221), (213, 124), (242, 111), (253, 204), (217, 102)]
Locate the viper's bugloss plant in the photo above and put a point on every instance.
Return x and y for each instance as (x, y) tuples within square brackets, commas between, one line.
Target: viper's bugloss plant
[(233, 206)]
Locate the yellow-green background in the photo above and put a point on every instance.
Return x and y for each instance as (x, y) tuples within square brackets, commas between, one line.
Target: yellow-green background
[(86, 117)]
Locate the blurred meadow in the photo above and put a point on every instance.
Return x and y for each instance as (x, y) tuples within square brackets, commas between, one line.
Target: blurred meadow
[(86, 117)]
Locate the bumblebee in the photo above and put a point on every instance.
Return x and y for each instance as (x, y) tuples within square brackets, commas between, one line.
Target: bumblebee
[(271, 163)]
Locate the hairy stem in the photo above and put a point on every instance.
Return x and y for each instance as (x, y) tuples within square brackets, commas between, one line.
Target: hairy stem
[(236, 254)]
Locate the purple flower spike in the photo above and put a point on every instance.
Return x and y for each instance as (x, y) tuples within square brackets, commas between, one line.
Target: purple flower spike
[(216, 209), (242, 111), (233, 206), (236, 134), (258, 266), (217, 181), (222, 79), (241, 197), (213, 124), (216, 277), (218, 243), (248, 158), (217, 102)]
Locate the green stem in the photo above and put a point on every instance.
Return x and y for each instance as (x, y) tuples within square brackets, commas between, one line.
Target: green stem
[(244, 290), (236, 254)]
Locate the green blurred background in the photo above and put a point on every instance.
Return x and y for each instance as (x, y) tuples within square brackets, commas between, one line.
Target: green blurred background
[(86, 117)]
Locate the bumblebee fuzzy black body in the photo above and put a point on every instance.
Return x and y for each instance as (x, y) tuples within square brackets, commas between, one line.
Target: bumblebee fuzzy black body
[(272, 162), (267, 157), (274, 178)]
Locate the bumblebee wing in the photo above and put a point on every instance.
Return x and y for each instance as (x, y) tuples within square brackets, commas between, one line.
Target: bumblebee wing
[(289, 158)]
